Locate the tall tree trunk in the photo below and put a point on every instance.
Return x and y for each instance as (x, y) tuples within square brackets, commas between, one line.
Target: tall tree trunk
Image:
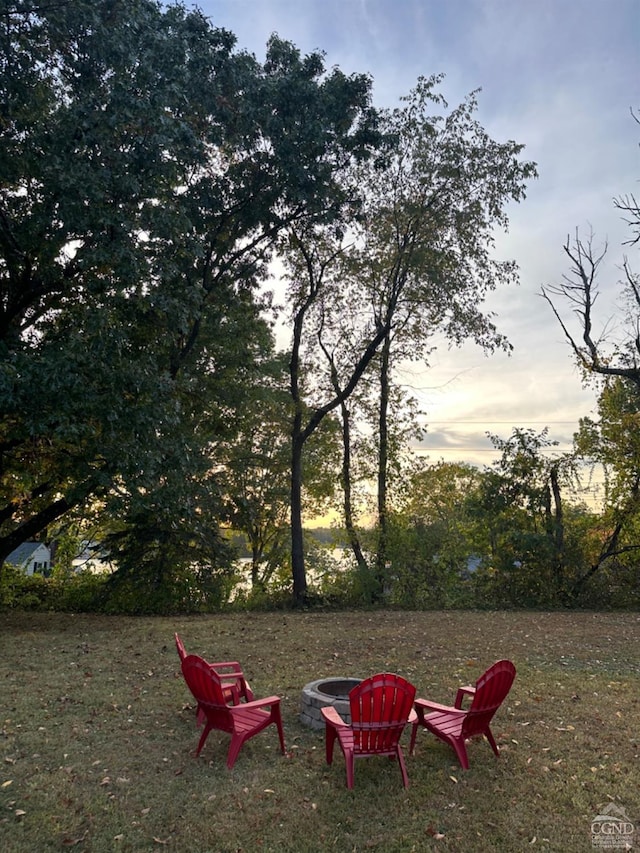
[(297, 546), (383, 462), (558, 516), (298, 572), (352, 533), (256, 557), (300, 433)]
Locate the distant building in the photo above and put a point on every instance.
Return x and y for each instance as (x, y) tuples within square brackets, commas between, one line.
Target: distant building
[(91, 559), (32, 558)]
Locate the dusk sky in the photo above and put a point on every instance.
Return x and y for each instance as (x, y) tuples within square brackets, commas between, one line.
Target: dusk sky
[(559, 76)]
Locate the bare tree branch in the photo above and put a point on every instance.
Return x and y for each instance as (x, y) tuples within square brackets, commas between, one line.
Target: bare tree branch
[(580, 290)]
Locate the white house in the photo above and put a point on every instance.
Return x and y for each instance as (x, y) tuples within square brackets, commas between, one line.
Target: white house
[(91, 559), (31, 557)]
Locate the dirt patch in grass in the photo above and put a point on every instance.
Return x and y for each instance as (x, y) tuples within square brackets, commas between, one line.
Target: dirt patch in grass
[(98, 731)]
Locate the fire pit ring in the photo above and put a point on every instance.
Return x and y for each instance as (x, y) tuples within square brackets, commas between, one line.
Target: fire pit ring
[(323, 693)]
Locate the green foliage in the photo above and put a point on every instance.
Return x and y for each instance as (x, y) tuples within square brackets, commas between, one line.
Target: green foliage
[(148, 172), (257, 474), (470, 538), (611, 443), (146, 168), (418, 253), (431, 538), (180, 591), (81, 593), (177, 591)]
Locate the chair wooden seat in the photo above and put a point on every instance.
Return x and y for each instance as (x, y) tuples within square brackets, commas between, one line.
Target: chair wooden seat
[(455, 725)]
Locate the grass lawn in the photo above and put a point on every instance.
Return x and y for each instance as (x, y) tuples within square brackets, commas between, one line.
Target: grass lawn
[(98, 734)]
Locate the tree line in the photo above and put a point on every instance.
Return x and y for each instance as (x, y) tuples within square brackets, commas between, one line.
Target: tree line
[(155, 180)]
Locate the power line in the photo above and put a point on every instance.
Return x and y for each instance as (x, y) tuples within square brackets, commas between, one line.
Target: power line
[(466, 448), (500, 422)]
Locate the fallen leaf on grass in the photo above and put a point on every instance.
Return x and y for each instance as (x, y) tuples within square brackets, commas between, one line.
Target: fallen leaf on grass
[(7, 783), (71, 842), (160, 840), (453, 779), (433, 832)]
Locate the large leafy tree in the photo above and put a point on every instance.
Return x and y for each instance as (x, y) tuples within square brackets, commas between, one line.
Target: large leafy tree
[(532, 535), (427, 239), (314, 295), (415, 261), (432, 534), (611, 441), (146, 168)]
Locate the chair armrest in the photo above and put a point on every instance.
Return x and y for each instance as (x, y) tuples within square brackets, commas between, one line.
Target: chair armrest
[(333, 718), (462, 692), (413, 717), (227, 670), (257, 703), (422, 705), (231, 693), (233, 680)]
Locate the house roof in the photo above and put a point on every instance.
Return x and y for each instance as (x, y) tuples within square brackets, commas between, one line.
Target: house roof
[(23, 552)]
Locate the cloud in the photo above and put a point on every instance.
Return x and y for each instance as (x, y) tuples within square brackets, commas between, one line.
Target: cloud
[(557, 76)]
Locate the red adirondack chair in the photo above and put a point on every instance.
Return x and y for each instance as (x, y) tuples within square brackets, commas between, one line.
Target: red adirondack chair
[(381, 706), (234, 685), (241, 721), (454, 725)]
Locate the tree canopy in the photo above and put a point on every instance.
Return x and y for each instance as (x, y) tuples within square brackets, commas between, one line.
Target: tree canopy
[(414, 260), (150, 174), (146, 168)]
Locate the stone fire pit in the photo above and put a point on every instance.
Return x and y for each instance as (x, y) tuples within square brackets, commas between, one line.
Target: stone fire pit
[(323, 693)]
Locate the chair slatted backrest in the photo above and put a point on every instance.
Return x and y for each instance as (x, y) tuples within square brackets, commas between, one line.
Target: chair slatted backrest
[(491, 690), (206, 687), (182, 652), (380, 707)]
